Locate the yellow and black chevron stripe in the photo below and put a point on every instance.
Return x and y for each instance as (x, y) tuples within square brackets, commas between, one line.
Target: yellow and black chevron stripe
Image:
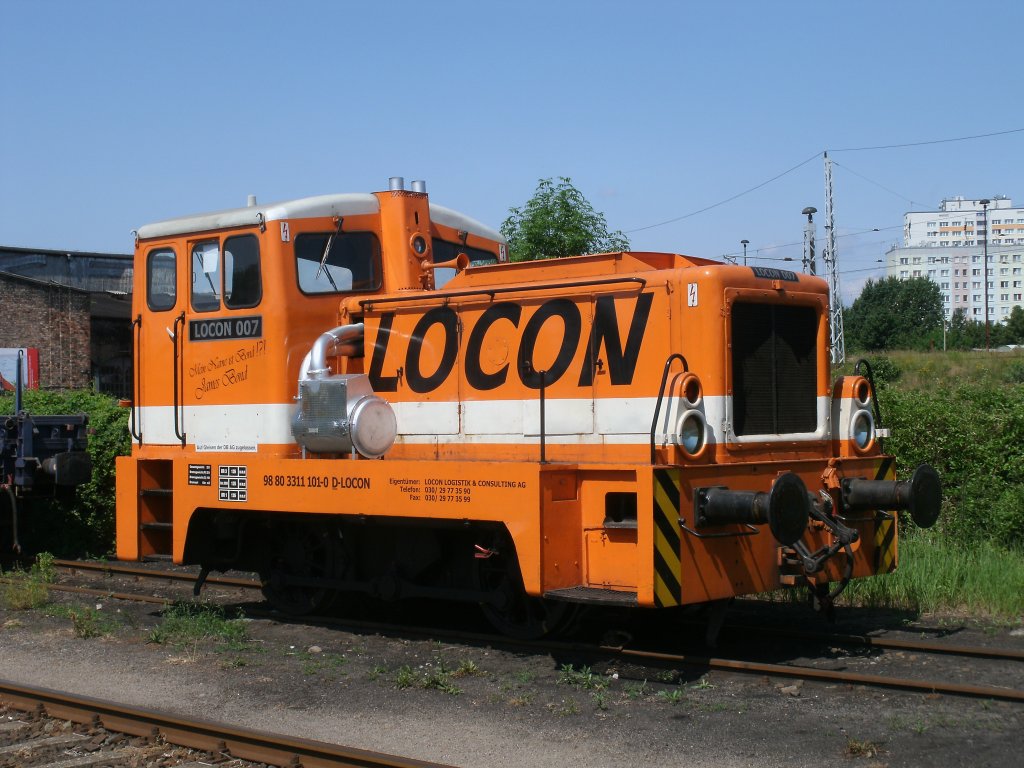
[(885, 533), (667, 590)]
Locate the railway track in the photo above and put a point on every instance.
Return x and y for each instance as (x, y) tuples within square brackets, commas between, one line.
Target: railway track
[(123, 569), (653, 656), (23, 744)]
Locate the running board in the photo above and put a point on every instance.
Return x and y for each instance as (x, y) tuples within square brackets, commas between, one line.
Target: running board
[(594, 596)]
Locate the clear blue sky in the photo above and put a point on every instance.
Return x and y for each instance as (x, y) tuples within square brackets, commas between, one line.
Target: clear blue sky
[(116, 114)]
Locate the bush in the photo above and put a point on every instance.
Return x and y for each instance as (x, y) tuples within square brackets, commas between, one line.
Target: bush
[(1015, 372), (884, 370), (85, 526), (1007, 519), (974, 436)]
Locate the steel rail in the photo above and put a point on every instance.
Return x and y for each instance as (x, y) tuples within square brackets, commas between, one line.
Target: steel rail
[(704, 662), (731, 665), (206, 735), (135, 570), (978, 651), (825, 675), (107, 594), (860, 640), (779, 670)]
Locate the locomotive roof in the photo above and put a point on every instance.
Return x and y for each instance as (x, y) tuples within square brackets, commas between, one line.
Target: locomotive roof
[(348, 204)]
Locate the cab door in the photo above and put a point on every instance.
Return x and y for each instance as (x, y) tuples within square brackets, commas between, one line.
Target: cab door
[(158, 323), (228, 399)]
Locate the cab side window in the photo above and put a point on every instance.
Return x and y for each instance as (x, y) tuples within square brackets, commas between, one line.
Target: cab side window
[(206, 276), (161, 279), (243, 286), (352, 263)]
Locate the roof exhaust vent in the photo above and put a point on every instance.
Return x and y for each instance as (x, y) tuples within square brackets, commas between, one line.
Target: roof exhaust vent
[(396, 184), (419, 186), (252, 201)]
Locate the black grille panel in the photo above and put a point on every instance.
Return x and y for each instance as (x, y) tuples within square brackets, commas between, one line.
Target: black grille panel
[(774, 369)]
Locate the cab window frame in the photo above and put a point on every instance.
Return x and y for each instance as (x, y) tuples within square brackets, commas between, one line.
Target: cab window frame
[(314, 242), (194, 274), (255, 290), (151, 256)]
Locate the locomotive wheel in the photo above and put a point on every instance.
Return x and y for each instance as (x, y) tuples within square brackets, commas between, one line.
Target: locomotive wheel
[(513, 612), (301, 552)]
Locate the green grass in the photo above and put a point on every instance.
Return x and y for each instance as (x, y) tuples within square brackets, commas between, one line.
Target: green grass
[(674, 696), (433, 676), (329, 664), (86, 622), (20, 592), (928, 371), (583, 678), (27, 590), (185, 624), (938, 576)]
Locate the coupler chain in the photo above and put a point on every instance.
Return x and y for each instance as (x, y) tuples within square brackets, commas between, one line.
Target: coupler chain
[(843, 538)]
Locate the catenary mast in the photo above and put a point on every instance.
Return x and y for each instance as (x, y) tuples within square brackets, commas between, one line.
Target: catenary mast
[(835, 301)]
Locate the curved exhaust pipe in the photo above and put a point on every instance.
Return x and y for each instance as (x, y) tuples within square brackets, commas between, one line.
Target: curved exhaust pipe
[(786, 509), (340, 414), (340, 340)]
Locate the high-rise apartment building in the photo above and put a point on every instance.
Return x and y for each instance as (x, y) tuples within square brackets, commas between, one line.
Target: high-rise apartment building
[(948, 247)]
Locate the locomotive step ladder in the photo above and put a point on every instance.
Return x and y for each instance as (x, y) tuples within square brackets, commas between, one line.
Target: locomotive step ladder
[(156, 509)]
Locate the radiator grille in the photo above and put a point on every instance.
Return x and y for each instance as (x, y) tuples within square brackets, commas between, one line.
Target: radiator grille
[(774, 369)]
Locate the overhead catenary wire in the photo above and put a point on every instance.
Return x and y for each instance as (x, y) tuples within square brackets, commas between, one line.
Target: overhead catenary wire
[(1004, 250), (933, 141), (817, 155), (728, 199), (764, 248), (877, 184)]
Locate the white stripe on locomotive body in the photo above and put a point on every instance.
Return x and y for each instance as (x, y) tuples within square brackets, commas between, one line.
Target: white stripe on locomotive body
[(250, 424), (843, 411), (580, 421)]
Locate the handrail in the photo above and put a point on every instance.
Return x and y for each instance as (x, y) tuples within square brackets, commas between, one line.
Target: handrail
[(750, 531), (135, 426), (874, 392), (176, 340), (367, 304), (661, 395), (543, 386)]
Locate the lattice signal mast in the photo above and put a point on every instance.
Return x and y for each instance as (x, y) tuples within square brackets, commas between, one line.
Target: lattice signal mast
[(835, 302)]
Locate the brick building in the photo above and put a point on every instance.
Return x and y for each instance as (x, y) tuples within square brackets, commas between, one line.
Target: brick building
[(75, 307), (55, 319)]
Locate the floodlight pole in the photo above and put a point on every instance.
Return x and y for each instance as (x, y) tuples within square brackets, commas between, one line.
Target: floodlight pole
[(984, 242), (809, 265)]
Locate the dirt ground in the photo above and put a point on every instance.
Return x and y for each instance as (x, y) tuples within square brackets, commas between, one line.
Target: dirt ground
[(478, 704)]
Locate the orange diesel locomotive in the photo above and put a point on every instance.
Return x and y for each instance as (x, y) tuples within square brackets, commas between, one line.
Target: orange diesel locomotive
[(356, 394)]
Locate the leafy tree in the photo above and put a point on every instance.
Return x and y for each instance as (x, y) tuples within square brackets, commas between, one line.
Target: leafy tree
[(970, 334), (1015, 326), (558, 221), (963, 332), (895, 314)]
